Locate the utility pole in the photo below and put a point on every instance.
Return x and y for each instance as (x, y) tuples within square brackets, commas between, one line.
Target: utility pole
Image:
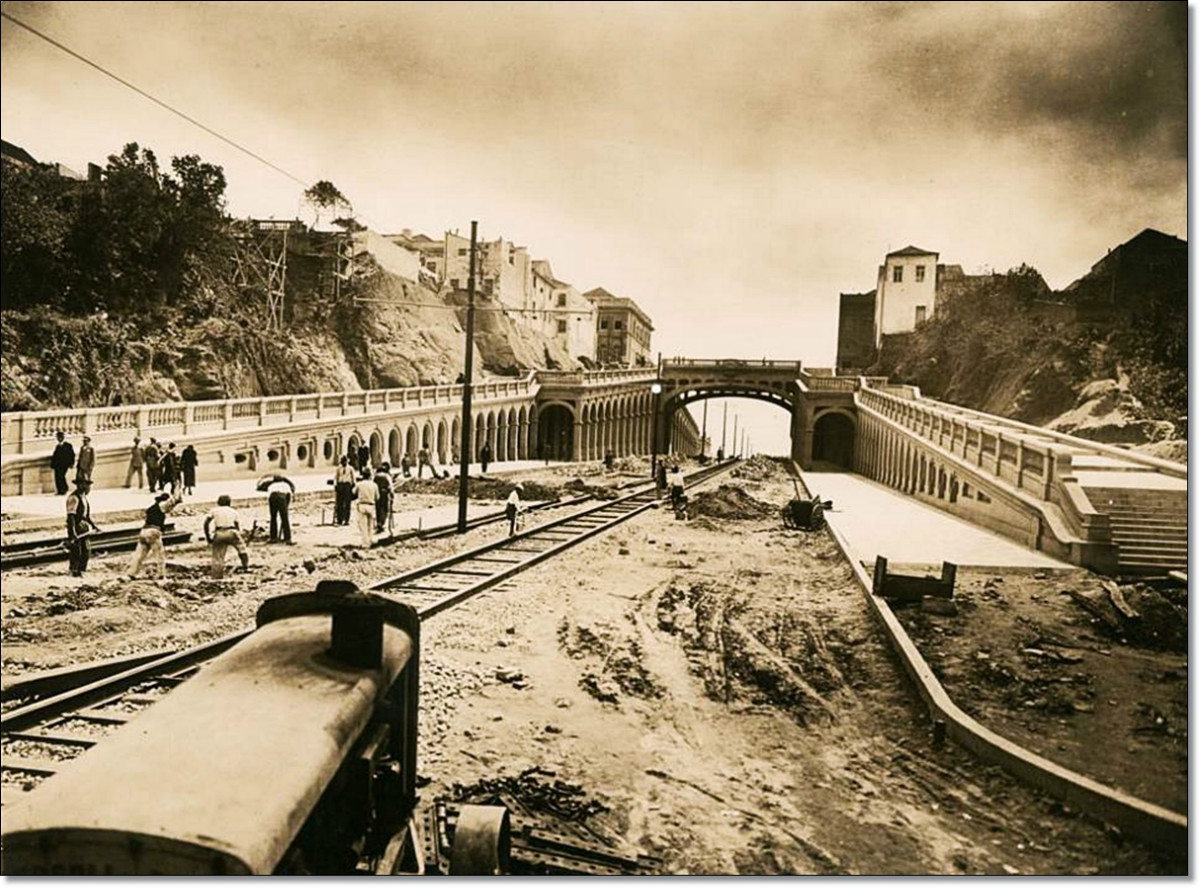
[(704, 430), (735, 437), (464, 462), (724, 417)]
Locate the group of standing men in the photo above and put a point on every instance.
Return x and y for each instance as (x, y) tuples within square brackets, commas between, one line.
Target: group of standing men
[(163, 467), (160, 465), (370, 494)]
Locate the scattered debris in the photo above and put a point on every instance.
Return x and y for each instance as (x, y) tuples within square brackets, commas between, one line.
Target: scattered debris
[(531, 791)]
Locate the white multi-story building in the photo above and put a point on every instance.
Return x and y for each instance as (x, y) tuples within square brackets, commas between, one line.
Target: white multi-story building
[(906, 293), (507, 274)]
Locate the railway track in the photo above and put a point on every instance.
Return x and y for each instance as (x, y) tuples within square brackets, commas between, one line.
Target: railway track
[(40, 738), (45, 549)]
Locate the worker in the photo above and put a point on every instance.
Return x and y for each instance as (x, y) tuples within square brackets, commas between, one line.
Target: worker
[(222, 530), (365, 496), (150, 537), (512, 507), (79, 527), (279, 497), (676, 484), (383, 500), (343, 487)]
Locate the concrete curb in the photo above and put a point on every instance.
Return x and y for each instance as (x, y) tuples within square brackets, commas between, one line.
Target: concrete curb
[(1150, 823)]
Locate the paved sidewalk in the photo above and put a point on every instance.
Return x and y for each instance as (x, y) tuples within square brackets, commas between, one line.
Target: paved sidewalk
[(876, 520)]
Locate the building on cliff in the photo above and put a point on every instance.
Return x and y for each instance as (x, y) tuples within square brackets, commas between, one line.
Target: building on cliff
[(911, 286), (906, 291), (856, 331), (570, 318), (1149, 267), (508, 275), (622, 330)]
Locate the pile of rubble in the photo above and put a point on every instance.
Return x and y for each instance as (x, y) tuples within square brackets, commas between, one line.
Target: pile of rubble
[(482, 488), (758, 468), (730, 503), (1138, 614), (531, 791)]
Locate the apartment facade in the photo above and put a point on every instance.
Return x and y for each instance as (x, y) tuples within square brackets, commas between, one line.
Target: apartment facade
[(623, 330)]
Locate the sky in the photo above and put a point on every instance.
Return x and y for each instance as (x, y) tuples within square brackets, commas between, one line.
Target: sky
[(732, 167)]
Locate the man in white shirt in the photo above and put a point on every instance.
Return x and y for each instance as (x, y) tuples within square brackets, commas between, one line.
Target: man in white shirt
[(512, 508), (676, 484), (343, 488), (365, 496), (221, 529)]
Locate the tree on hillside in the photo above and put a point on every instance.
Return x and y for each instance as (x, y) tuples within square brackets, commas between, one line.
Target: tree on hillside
[(324, 196), (37, 207), (140, 242)]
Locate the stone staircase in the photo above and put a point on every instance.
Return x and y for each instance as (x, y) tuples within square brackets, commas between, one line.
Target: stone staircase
[(1149, 527)]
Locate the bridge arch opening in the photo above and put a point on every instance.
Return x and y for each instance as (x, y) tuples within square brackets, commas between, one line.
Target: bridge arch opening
[(833, 439), (410, 443), (376, 448), (394, 446), (556, 432), (441, 443)]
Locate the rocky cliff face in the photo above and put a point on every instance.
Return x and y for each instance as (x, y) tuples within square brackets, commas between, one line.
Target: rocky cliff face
[(1082, 361), (378, 330)]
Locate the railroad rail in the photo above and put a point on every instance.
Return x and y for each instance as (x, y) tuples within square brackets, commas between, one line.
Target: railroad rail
[(42, 737), (43, 549)]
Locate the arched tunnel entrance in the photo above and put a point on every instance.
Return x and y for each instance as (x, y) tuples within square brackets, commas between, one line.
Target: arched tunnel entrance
[(556, 433), (833, 440)]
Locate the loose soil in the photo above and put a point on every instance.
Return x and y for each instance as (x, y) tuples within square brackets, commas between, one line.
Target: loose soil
[(1107, 698), (712, 692)]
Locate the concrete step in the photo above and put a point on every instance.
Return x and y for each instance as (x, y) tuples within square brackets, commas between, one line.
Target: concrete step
[(1144, 514), (1154, 539), (1147, 520), (1159, 564), (1149, 553)]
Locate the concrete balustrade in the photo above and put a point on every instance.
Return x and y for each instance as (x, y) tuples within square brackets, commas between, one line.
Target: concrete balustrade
[(596, 411)]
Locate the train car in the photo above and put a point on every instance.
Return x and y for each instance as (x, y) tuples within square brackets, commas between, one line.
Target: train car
[(292, 753)]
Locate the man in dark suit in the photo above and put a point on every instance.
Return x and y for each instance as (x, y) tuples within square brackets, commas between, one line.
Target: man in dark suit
[(61, 462)]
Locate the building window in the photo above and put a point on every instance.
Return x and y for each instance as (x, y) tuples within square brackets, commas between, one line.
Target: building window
[(897, 274), (562, 300), (562, 326), (920, 315), (454, 283), (462, 251), (617, 325), (604, 325), (920, 273)]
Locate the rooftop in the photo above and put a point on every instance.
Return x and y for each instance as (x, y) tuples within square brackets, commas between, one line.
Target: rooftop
[(910, 250)]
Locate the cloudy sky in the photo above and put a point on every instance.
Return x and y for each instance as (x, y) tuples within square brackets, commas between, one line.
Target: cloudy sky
[(732, 167)]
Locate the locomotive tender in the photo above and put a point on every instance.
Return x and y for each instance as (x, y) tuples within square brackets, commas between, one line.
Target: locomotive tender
[(295, 752)]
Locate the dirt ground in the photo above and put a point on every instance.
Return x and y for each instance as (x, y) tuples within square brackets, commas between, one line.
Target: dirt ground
[(715, 689), (1027, 659)]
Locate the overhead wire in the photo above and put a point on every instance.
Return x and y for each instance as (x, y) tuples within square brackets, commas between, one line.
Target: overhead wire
[(144, 94), (247, 151)]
